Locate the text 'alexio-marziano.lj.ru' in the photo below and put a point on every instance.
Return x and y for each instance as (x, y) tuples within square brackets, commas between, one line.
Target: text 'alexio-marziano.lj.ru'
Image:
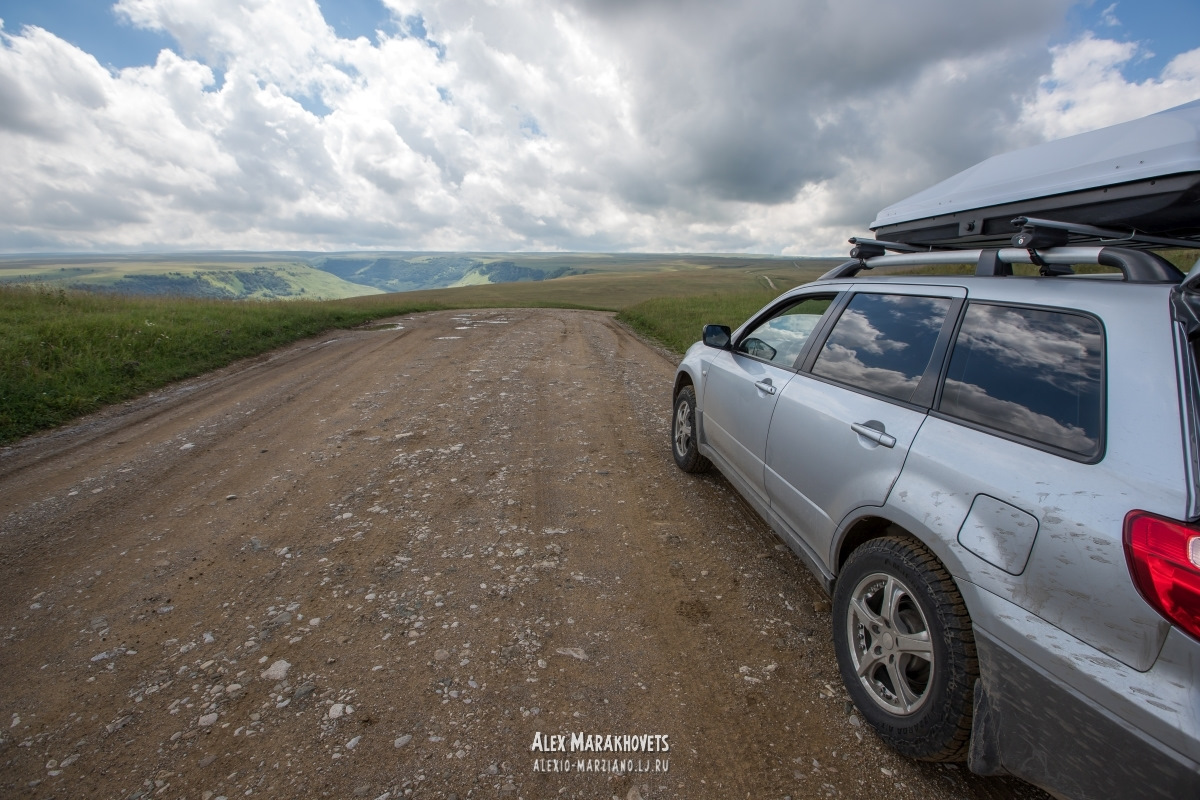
[(601, 746)]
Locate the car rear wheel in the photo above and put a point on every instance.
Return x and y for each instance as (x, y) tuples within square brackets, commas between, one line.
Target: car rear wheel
[(683, 433), (905, 648)]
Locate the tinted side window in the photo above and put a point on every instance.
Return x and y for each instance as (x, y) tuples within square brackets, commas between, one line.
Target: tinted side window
[(780, 339), (883, 343), (1033, 373)]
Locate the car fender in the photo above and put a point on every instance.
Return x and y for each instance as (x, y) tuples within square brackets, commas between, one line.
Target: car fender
[(693, 369), (869, 522)]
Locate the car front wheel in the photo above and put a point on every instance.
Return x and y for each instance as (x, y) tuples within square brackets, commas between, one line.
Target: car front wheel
[(905, 648), (683, 433)]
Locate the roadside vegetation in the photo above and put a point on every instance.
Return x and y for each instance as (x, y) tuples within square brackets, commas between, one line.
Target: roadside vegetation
[(677, 322), (66, 353)]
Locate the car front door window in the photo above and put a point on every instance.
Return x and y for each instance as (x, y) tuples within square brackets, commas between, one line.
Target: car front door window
[(743, 384), (780, 339)]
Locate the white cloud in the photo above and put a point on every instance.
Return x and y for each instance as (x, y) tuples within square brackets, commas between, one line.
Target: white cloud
[(768, 126), (1086, 90)]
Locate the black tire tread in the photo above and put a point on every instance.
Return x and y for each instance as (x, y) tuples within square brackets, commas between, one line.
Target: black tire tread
[(951, 740), (692, 462)]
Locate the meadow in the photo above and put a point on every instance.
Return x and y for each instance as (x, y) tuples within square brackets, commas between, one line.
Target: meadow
[(65, 353), (332, 276)]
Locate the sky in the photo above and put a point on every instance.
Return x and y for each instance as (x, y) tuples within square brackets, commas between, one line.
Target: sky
[(763, 126)]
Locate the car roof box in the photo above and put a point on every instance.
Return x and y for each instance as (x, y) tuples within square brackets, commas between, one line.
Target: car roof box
[(1142, 175)]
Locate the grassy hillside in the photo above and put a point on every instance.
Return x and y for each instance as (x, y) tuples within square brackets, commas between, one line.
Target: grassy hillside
[(614, 286), (206, 276), (339, 275)]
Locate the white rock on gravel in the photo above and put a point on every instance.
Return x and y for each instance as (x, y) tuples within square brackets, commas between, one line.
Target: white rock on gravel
[(337, 710), (573, 652), (208, 720), (277, 671), (403, 740)]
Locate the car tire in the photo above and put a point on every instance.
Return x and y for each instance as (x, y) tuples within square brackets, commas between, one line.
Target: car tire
[(683, 433), (905, 648)]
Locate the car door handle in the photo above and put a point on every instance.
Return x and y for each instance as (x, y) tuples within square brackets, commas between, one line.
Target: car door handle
[(879, 437), (765, 385)]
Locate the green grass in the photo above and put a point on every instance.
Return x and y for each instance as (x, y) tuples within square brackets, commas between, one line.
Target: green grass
[(677, 322), (64, 354)]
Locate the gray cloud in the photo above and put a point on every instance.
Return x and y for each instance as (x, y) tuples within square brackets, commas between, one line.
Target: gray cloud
[(758, 99)]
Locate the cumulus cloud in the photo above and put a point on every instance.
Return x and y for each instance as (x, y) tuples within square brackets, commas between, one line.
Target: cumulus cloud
[(1086, 90), (768, 126)]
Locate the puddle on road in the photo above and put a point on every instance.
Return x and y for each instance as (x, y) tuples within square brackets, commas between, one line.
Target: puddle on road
[(466, 323)]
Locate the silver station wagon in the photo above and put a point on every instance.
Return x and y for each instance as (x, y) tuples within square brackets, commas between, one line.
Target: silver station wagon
[(995, 475)]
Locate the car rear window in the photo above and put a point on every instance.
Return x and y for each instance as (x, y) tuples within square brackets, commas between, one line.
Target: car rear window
[(883, 342), (1037, 374)]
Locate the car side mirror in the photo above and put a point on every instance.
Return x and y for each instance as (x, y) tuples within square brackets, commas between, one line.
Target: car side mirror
[(717, 336)]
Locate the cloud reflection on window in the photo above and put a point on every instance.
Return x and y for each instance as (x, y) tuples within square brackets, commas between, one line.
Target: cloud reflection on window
[(882, 343), (1030, 372), (787, 332)]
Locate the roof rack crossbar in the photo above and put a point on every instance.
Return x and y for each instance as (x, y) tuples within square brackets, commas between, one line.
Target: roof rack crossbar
[(1113, 236)]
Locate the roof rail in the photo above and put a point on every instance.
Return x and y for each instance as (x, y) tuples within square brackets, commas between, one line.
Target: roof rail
[(1137, 266)]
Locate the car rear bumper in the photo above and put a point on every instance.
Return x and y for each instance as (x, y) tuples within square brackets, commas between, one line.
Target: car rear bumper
[(1084, 725)]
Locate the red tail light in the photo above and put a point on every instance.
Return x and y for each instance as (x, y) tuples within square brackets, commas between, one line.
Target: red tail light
[(1164, 560)]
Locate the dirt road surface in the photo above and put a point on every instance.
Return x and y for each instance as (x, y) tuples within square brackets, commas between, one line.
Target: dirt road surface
[(385, 563)]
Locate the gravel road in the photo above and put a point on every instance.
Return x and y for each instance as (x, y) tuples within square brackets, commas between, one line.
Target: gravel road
[(397, 563)]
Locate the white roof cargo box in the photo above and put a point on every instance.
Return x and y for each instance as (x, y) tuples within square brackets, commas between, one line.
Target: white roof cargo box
[(1142, 175)]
